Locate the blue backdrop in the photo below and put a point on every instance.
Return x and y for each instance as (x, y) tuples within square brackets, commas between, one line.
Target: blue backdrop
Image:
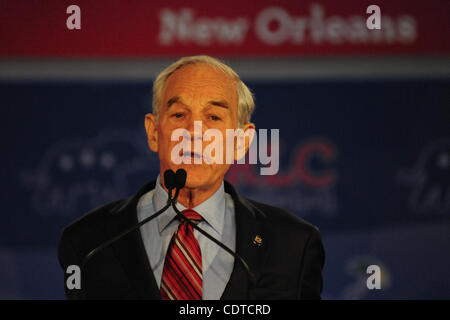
[(367, 161)]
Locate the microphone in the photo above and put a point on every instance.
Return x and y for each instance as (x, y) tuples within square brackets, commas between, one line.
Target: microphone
[(180, 181), (170, 182)]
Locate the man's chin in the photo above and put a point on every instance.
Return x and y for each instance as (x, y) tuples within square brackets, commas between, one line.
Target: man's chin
[(197, 176), (195, 179)]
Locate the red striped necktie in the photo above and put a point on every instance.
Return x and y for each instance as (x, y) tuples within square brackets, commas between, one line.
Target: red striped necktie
[(182, 277)]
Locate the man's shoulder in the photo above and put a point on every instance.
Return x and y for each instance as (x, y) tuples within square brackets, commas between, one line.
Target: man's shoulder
[(95, 217), (281, 219), (87, 232), (274, 216), (291, 236)]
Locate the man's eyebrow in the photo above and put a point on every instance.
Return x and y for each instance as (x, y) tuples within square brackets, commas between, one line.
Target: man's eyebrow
[(173, 100), (220, 103)]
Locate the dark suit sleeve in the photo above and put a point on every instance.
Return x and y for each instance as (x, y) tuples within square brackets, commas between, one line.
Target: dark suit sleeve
[(67, 256), (311, 283)]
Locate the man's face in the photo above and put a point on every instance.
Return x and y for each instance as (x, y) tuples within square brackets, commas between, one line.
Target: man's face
[(196, 92)]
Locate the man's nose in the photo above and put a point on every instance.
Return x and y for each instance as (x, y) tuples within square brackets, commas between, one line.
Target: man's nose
[(196, 128)]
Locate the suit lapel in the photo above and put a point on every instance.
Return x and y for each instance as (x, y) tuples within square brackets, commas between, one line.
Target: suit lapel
[(130, 250), (250, 245)]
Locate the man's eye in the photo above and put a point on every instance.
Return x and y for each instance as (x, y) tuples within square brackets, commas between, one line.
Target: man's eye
[(214, 118), (177, 115)]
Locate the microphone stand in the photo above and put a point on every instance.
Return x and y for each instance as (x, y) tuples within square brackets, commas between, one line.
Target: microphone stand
[(172, 181)]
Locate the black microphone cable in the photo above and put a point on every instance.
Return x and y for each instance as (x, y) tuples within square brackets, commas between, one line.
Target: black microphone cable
[(172, 181)]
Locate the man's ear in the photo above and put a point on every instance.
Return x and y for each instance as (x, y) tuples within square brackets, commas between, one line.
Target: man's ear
[(152, 132), (243, 143)]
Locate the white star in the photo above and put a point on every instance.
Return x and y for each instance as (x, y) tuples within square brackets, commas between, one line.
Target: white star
[(443, 160), (66, 162), (107, 160), (87, 158)]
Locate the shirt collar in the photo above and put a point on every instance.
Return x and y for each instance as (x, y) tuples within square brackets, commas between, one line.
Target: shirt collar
[(212, 209)]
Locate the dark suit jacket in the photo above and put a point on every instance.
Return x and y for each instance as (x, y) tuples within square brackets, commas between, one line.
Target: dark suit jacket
[(287, 264)]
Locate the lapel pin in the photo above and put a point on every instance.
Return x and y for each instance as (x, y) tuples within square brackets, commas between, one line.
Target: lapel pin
[(257, 240)]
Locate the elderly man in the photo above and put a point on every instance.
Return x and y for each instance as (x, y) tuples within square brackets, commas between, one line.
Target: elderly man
[(166, 258)]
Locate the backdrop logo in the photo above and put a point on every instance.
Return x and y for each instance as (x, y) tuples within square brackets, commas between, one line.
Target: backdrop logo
[(76, 175), (429, 179), (306, 186)]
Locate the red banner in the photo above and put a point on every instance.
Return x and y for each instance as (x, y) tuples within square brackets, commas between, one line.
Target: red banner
[(230, 28)]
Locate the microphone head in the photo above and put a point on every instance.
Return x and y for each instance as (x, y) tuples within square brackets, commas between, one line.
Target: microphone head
[(180, 178), (169, 179)]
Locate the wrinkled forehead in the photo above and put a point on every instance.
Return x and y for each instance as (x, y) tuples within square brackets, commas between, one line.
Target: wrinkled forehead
[(200, 81)]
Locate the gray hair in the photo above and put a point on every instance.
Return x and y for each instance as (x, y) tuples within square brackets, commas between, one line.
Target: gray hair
[(246, 104)]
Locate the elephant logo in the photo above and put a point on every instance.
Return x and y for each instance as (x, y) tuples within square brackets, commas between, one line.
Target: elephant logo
[(74, 176), (429, 179)]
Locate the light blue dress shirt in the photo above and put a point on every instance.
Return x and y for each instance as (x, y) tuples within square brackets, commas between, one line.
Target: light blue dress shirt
[(218, 220)]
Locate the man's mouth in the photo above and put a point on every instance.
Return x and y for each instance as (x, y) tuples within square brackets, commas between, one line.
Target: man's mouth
[(192, 155)]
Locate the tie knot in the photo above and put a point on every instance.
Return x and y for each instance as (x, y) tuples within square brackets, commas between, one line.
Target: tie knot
[(191, 215)]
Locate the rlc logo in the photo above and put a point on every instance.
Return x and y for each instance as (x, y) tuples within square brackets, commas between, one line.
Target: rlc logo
[(321, 152)]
